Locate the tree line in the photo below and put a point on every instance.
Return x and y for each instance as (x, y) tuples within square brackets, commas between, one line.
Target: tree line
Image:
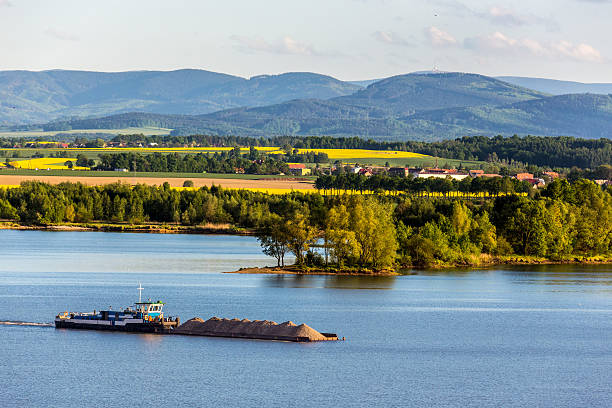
[(224, 162), (563, 221), (420, 186)]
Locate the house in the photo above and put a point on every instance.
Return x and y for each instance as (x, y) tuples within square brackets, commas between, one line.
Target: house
[(476, 173), (490, 175), (365, 172), (523, 176), (299, 169), (552, 174), (535, 182), (441, 173), (399, 171), (435, 174), (238, 170)]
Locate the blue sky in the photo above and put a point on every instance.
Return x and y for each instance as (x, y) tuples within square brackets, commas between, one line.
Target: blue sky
[(348, 39)]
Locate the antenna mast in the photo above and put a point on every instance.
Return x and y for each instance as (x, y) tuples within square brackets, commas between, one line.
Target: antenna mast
[(140, 289)]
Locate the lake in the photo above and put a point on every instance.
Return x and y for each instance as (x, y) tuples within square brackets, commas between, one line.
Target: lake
[(512, 337)]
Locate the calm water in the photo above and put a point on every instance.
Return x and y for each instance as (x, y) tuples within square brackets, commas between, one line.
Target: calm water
[(511, 337)]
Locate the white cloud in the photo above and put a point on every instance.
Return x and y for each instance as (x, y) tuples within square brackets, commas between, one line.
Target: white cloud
[(391, 38), (439, 38), (498, 42), (581, 52), (286, 45), (504, 16), (60, 35)]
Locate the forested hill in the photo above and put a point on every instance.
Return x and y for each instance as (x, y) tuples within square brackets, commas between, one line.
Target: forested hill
[(582, 115), (587, 116), (38, 97), (406, 94), (556, 87)]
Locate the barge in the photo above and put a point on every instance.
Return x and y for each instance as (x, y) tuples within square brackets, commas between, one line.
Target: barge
[(148, 317)]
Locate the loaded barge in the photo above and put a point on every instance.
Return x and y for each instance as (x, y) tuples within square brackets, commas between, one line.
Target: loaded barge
[(148, 317)]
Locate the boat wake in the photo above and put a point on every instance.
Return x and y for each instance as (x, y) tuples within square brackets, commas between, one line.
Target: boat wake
[(18, 323)]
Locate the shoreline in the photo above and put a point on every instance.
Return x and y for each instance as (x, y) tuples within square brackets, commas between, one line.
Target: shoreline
[(293, 270), (413, 270), (206, 229)]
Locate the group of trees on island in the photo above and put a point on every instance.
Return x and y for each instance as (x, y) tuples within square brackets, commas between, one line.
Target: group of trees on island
[(348, 231)]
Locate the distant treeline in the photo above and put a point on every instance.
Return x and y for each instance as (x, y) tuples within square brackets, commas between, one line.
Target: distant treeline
[(553, 152), (224, 162), (422, 186), (564, 220)]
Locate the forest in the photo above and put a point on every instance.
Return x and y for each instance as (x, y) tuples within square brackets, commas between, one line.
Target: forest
[(222, 162), (564, 221)]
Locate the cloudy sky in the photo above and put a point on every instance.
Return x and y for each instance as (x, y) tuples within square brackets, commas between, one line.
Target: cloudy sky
[(348, 39)]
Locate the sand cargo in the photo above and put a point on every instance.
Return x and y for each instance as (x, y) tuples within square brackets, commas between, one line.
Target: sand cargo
[(247, 329)]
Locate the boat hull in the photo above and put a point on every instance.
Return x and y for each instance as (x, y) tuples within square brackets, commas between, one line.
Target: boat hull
[(145, 327)]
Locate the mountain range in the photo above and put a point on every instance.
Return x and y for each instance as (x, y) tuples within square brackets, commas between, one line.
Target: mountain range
[(424, 105)]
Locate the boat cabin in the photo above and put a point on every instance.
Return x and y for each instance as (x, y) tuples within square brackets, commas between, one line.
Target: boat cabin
[(151, 309)]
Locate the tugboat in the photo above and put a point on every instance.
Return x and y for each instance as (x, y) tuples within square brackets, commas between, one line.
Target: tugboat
[(144, 317)]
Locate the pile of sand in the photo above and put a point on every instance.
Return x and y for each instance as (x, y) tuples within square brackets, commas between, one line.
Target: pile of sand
[(245, 327)]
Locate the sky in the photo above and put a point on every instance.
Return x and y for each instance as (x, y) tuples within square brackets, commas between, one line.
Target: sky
[(347, 39)]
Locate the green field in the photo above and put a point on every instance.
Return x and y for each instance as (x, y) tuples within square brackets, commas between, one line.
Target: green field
[(85, 173), (147, 131)]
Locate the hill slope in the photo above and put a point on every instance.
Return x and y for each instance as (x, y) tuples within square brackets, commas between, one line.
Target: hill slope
[(407, 94), (581, 115), (35, 97), (556, 87)]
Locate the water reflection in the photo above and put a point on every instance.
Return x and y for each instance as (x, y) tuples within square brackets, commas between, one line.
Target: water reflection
[(330, 282)]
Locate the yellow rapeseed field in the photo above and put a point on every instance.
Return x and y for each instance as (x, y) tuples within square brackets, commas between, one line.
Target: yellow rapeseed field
[(44, 163), (365, 154), (332, 153)]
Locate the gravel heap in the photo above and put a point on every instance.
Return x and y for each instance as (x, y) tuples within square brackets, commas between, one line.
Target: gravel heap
[(245, 327)]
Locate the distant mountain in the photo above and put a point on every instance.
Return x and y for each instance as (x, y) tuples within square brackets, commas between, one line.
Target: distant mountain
[(407, 94), (35, 97), (581, 115), (421, 106), (556, 87), (364, 83)]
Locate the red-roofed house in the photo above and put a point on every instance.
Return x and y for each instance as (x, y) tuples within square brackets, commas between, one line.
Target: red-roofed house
[(524, 176), (299, 169)]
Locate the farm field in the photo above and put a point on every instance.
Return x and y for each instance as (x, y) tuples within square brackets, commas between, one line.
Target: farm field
[(46, 163), (262, 184), (347, 156), (117, 174)]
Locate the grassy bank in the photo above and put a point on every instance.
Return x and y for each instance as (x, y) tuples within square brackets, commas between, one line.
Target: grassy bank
[(152, 228)]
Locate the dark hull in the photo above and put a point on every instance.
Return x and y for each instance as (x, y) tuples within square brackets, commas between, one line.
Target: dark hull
[(130, 327)]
